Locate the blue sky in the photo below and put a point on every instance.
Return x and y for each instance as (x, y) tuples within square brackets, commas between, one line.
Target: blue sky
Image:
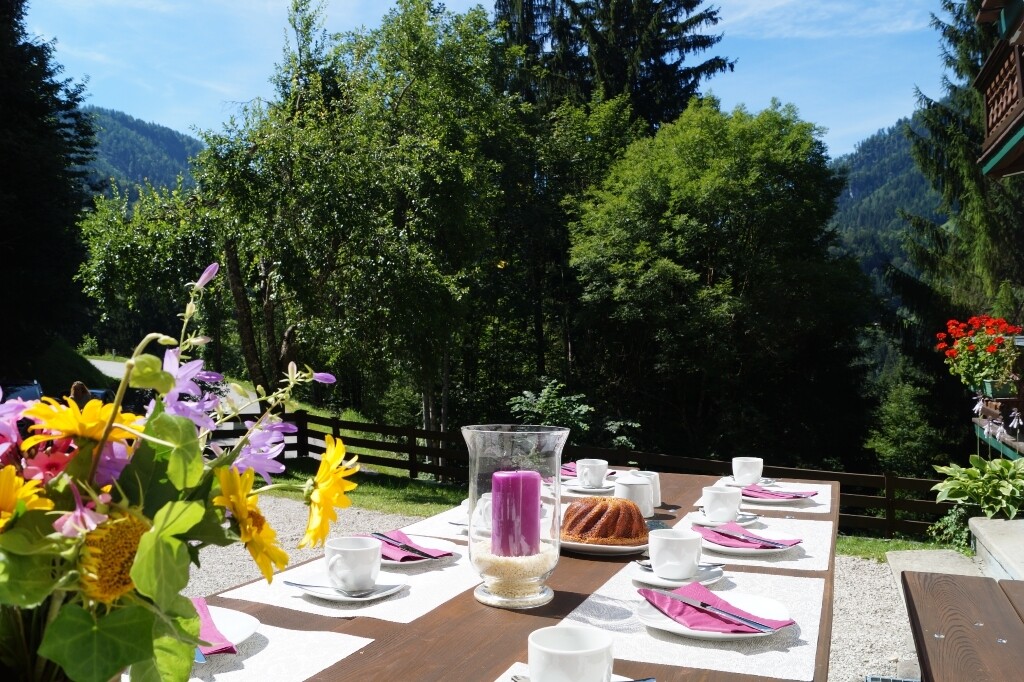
[(850, 66)]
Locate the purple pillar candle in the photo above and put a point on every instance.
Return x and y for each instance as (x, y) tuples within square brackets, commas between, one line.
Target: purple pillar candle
[(515, 513)]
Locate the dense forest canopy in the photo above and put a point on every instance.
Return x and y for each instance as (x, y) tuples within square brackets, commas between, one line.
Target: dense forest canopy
[(448, 211)]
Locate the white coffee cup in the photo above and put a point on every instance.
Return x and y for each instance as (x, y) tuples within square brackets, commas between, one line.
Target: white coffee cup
[(570, 653), (747, 470), (482, 512), (721, 502), (675, 552), (352, 562), (591, 472), (638, 489), (655, 480)]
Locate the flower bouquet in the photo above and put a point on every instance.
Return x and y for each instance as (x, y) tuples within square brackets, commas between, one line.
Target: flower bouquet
[(980, 349), (103, 511)]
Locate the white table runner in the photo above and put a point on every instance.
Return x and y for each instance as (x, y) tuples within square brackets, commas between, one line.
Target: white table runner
[(810, 555), (440, 526), (787, 654), (430, 585), (523, 670), (279, 655), (819, 504)]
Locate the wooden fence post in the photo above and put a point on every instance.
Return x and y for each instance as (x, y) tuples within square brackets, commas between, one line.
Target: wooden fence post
[(890, 504), (414, 462), (302, 434)]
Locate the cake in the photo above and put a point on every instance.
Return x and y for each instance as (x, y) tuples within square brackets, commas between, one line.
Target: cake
[(604, 521)]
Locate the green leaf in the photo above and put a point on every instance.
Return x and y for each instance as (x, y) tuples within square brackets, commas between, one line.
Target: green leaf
[(149, 373), (176, 518), (182, 450), (160, 570), (26, 580), (174, 643), (30, 535), (94, 649)]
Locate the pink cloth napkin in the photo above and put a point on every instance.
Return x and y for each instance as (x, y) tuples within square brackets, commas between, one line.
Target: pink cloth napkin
[(698, 619), (208, 632), (711, 535), (757, 491), (397, 554)]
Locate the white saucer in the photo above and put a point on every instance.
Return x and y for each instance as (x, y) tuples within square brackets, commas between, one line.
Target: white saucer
[(706, 575), (574, 485), (698, 518), (752, 604), (330, 594), (764, 482), (751, 551), (606, 550), (429, 543)]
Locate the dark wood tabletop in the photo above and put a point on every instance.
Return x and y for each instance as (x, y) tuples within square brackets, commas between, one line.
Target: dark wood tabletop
[(441, 644), (966, 627)]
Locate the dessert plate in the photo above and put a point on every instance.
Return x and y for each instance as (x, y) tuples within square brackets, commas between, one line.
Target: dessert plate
[(705, 576), (577, 487), (429, 543), (701, 520), (606, 550), (330, 594), (751, 551), (234, 625), (752, 604), (775, 500)]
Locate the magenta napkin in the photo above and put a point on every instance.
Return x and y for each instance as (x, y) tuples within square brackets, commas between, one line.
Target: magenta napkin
[(393, 553), (698, 619), (757, 491), (711, 535), (569, 469), (208, 632)]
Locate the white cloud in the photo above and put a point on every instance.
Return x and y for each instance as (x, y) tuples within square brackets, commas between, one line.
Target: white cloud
[(822, 18)]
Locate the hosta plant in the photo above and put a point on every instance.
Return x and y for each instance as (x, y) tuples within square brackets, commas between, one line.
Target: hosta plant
[(994, 485)]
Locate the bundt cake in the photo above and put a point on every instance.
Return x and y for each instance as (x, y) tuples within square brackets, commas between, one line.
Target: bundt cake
[(604, 521)]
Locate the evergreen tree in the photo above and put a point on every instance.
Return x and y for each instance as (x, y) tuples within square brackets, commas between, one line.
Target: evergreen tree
[(44, 142), (978, 251)]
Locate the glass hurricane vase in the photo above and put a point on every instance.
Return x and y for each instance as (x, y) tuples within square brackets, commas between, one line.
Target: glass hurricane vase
[(514, 511)]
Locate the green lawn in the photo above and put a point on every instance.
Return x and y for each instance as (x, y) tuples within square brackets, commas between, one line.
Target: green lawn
[(875, 548)]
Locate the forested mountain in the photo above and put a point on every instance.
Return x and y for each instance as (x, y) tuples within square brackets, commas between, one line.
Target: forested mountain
[(882, 181), (132, 151)]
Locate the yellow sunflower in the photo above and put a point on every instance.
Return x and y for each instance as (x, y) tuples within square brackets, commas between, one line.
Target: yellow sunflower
[(327, 491), (15, 489), (259, 538), (68, 421), (107, 557)]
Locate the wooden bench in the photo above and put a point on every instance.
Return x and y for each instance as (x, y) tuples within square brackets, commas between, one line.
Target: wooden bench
[(966, 628)]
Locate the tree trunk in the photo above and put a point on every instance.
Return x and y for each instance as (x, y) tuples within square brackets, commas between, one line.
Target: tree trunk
[(246, 333)]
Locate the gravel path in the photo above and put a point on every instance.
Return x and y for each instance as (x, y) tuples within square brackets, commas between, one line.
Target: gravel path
[(869, 630)]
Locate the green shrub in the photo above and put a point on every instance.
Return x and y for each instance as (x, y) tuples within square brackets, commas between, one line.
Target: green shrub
[(953, 529), (996, 485), (551, 408)]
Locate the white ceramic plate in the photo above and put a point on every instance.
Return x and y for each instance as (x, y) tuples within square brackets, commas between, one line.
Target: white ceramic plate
[(701, 520), (577, 487), (705, 576), (764, 482), (330, 594), (751, 551), (429, 543), (775, 500), (234, 625), (587, 548), (752, 604)]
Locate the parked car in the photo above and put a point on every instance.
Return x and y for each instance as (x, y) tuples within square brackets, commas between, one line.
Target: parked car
[(27, 389), (103, 394)]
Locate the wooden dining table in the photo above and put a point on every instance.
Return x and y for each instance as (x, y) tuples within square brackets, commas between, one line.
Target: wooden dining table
[(966, 627), (465, 640)]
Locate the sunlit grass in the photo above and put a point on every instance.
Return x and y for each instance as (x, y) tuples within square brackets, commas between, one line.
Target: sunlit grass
[(875, 548), (383, 492)]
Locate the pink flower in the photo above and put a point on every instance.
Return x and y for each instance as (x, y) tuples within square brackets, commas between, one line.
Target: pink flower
[(208, 274), (80, 521), (47, 464)]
